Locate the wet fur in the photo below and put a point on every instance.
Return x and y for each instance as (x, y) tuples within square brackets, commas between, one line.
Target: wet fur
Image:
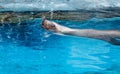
[(110, 36)]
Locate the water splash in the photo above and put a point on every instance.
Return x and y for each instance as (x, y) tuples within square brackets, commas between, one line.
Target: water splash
[(51, 10), (39, 5)]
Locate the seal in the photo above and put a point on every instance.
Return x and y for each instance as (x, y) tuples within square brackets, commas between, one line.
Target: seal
[(111, 36)]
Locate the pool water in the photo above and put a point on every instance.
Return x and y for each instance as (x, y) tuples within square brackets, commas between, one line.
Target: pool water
[(26, 48)]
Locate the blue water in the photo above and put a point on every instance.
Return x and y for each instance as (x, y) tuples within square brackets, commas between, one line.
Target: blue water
[(26, 48)]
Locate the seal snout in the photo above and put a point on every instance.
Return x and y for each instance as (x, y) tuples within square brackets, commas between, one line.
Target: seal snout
[(48, 25), (44, 23)]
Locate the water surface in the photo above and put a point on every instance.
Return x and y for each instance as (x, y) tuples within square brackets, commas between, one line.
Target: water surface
[(26, 48)]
